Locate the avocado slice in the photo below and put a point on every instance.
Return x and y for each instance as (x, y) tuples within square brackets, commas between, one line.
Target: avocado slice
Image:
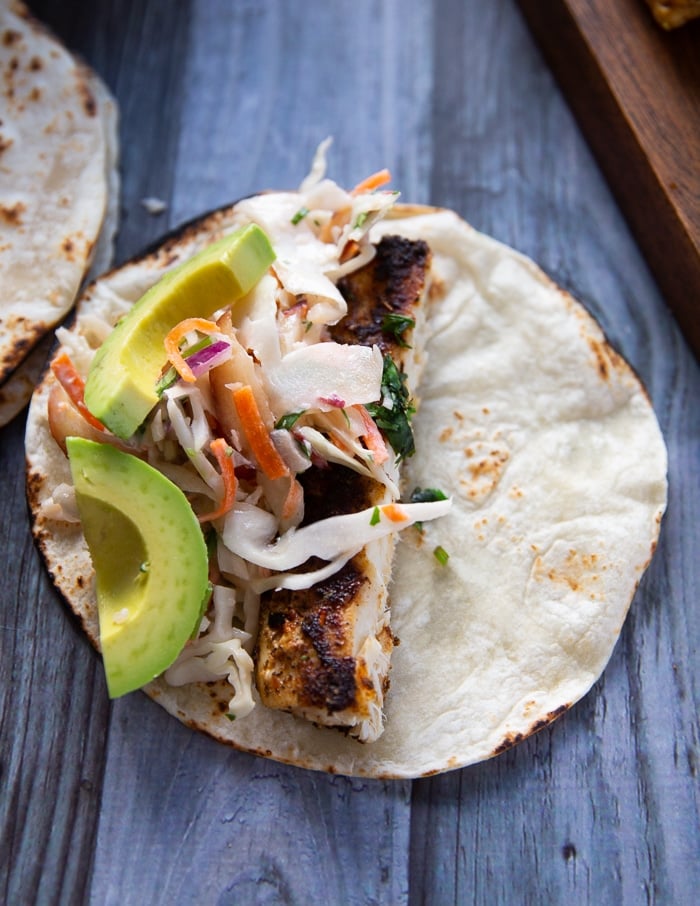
[(150, 561), (120, 387)]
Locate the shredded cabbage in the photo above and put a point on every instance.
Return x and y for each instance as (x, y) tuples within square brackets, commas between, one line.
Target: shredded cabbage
[(249, 532)]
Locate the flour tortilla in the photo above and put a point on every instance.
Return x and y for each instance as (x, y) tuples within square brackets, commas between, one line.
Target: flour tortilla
[(58, 191), (551, 450)]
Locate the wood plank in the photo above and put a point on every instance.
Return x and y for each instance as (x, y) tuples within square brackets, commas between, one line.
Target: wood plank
[(183, 814), (635, 90), (53, 714)]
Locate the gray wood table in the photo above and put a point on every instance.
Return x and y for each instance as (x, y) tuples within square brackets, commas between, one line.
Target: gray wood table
[(118, 803)]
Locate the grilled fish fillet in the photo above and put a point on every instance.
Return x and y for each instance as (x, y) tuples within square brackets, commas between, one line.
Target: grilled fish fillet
[(324, 653)]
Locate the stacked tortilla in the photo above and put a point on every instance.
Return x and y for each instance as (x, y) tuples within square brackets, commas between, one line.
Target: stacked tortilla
[(58, 189)]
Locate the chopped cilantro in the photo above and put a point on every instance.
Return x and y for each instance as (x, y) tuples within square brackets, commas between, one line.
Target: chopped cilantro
[(303, 446), (205, 603), (395, 419), (397, 325), (289, 420), (360, 220), (441, 555), (427, 495), (211, 541), (170, 375), (230, 715), (299, 216), (376, 516)]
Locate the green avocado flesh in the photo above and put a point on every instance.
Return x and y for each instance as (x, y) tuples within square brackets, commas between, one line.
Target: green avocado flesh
[(120, 387), (150, 561)]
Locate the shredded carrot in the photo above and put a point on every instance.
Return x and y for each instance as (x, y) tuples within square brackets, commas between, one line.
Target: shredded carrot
[(394, 513), (372, 437), (338, 219), (380, 178), (257, 434), (338, 442), (293, 500), (172, 344), (222, 451), (351, 249), (67, 376)]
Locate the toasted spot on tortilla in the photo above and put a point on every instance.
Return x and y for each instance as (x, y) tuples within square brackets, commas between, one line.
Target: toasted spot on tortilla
[(35, 482), (577, 570), (601, 358), (513, 738), (490, 465), (12, 214), (88, 99), (10, 37), (436, 291), (607, 361), (510, 740), (76, 247), (485, 467), (550, 718)]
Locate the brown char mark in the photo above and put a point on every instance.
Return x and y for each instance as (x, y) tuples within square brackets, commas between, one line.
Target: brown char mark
[(391, 283)]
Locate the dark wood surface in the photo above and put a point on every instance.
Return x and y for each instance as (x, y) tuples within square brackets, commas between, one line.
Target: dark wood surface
[(118, 803), (635, 90)]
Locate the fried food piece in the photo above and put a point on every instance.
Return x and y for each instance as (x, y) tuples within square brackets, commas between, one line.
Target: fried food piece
[(324, 652)]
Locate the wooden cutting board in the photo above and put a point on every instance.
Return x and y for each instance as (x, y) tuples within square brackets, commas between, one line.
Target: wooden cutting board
[(635, 90)]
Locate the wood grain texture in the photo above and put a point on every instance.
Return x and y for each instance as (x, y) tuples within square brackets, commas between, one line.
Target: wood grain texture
[(119, 804), (635, 90)]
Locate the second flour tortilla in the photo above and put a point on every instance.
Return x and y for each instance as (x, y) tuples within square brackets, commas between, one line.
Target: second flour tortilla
[(550, 448), (58, 192)]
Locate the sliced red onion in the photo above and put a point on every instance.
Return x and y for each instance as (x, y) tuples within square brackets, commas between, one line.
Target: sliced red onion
[(204, 359), (333, 400)]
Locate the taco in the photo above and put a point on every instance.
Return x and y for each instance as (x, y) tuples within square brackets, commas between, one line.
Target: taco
[(534, 468), (58, 141)]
